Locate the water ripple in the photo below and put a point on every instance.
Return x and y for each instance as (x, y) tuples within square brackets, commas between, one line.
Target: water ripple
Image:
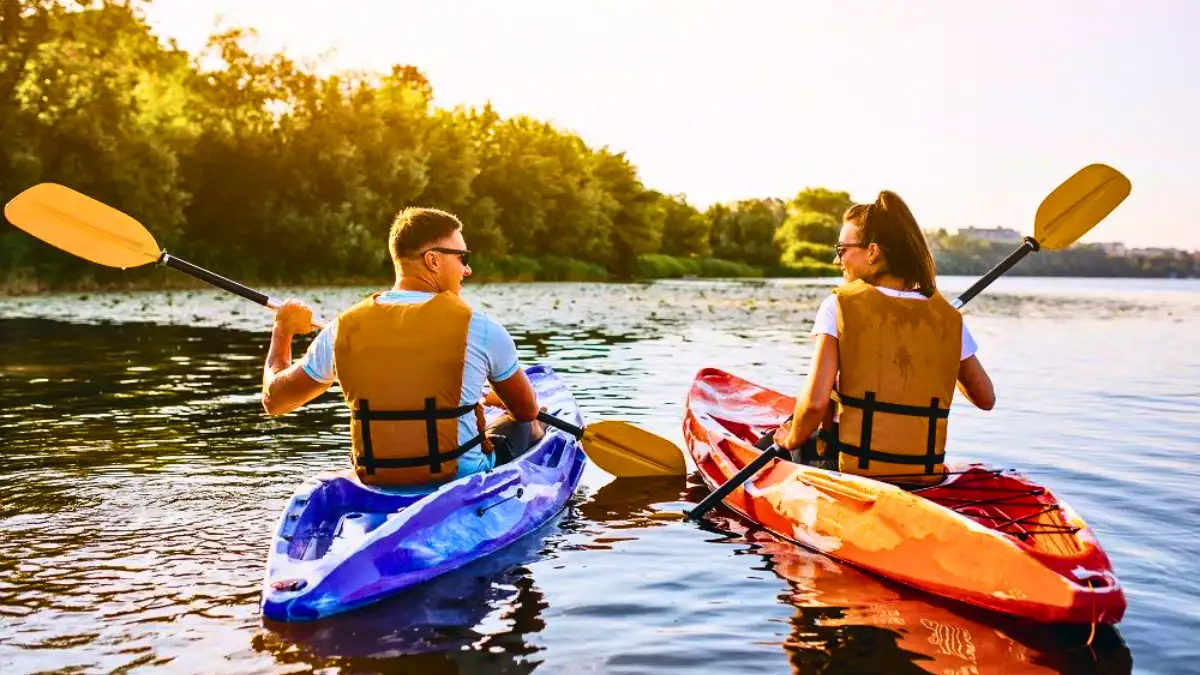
[(141, 482)]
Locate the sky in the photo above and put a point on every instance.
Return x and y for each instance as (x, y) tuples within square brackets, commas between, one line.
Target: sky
[(971, 111)]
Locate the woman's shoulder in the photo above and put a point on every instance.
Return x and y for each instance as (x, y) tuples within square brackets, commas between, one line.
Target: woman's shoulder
[(909, 295), (851, 288), (825, 322)]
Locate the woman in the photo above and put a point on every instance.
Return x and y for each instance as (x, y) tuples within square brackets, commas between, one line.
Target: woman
[(889, 351)]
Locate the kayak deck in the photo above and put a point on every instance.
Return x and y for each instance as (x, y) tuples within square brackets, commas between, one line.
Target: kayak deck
[(340, 544), (992, 538)]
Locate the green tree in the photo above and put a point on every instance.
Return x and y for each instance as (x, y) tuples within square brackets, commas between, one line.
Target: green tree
[(685, 230), (89, 99), (821, 200), (745, 231), (634, 214), (272, 172), (812, 226), (807, 234)]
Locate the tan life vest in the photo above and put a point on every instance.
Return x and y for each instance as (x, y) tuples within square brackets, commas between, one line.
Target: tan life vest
[(898, 364), (400, 367)]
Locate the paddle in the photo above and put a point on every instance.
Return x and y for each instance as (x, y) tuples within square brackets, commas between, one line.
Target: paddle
[(1066, 214), (97, 232), (627, 451), (94, 231)]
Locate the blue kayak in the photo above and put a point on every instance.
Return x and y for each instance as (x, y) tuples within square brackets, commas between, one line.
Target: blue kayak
[(340, 544)]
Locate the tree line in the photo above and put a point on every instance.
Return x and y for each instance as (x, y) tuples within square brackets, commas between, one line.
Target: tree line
[(260, 168), (961, 255)]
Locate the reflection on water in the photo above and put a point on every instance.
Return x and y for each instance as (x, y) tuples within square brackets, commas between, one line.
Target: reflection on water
[(838, 605), (434, 627), (141, 481)]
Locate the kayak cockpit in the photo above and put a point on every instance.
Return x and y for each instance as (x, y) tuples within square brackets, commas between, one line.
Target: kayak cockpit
[(1005, 501), (338, 510)]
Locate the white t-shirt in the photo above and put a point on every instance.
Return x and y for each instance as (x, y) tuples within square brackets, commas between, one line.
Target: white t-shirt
[(826, 321)]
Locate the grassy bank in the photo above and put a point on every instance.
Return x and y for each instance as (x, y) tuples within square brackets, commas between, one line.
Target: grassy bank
[(649, 266), (522, 268), (658, 266), (510, 269), (153, 278)]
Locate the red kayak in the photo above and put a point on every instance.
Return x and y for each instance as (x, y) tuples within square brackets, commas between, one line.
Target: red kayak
[(989, 537)]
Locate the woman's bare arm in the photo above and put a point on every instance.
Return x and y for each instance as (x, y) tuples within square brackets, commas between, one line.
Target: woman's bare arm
[(975, 385), (813, 402)]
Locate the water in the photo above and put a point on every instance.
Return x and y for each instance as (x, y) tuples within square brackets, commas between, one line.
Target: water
[(141, 481)]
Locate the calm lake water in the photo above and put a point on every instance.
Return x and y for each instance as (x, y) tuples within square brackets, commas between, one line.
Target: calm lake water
[(141, 482)]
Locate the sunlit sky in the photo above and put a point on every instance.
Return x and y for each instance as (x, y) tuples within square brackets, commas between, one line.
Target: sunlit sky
[(971, 111)]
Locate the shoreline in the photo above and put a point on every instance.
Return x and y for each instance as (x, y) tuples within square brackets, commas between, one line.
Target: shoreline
[(180, 282)]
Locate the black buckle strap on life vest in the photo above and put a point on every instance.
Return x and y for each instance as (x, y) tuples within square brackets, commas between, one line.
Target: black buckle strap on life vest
[(931, 440), (431, 439), (864, 437), (364, 414), (870, 406), (430, 414)]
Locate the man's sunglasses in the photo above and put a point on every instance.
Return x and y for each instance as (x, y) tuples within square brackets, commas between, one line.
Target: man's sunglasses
[(463, 255)]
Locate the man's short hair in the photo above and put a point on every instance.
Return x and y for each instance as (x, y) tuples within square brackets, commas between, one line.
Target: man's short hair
[(414, 229)]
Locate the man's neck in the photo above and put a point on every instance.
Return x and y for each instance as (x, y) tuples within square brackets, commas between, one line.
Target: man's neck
[(410, 283)]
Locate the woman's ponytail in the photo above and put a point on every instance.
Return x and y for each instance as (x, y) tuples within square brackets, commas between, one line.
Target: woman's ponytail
[(890, 224)]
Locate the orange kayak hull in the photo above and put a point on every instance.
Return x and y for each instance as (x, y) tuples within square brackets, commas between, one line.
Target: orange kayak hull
[(988, 537)]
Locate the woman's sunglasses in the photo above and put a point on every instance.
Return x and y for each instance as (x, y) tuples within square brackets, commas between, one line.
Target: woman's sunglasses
[(463, 255), (841, 247)]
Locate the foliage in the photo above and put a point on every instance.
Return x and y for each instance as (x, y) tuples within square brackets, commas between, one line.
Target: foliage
[(91, 100), (660, 266), (745, 231), (806, 267), (260, 168), (954, 254), (807, 235), (821, 201), (685, 230)]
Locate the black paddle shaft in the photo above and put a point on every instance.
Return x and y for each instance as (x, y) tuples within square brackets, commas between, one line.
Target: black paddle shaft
[(1030, 245), (550, 420), (214, 279), (740, 477)]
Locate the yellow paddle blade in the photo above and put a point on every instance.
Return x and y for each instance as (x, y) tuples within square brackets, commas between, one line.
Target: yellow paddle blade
[(626, 451), (82, 226), (1078, 205)]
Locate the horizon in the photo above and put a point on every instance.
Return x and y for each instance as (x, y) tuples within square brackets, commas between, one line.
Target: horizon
[(723, 112)]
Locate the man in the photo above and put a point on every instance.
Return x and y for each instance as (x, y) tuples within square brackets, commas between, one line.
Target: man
[(412, 363)]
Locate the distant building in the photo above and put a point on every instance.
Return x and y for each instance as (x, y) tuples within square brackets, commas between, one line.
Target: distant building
[(1156, 252), (1113, 249), (990, 233)]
